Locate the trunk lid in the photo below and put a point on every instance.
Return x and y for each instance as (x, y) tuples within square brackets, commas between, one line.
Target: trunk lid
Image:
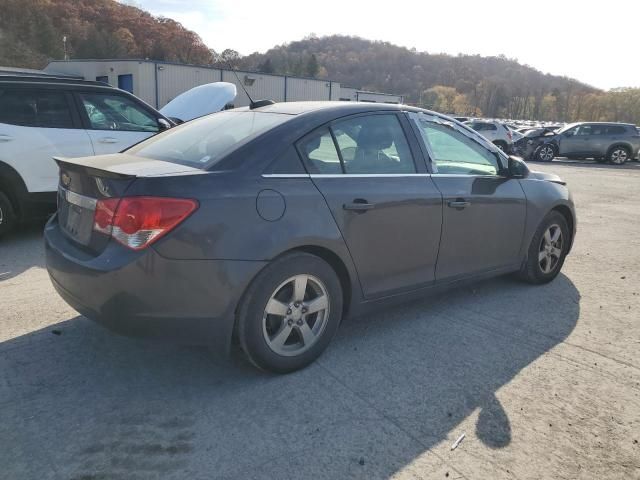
[(85, 181)]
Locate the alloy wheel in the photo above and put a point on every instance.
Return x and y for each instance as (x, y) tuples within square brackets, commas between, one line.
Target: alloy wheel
[(546, 154), (619, 156), (550, 250), (296, 315)]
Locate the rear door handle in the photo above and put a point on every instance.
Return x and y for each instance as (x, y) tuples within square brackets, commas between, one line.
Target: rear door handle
[(359, 205), (108, 140), (459, 203), (5, 138)]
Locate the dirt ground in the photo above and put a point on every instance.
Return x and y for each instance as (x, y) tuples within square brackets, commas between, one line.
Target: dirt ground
[(543, 381)]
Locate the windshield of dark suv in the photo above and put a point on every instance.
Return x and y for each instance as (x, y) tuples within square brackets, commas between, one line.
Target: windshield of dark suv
[(202, 143)]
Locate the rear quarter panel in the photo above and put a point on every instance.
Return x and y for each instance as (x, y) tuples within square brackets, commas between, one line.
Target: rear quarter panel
[(227, 225)]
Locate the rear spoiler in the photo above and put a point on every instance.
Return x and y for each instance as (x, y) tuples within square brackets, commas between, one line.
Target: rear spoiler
[(93, 166)]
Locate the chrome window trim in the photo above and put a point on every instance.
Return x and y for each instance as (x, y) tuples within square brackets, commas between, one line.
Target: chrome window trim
[(285, 175), (368, 175), (77, 199), (466, 175), (374, 175)]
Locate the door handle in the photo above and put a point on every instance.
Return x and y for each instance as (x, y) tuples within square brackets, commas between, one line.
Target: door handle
[(459, 203), (359, 205), (108, 140), (5, 138)]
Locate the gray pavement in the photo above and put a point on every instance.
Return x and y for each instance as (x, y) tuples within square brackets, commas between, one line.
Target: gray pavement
[(543, 381)]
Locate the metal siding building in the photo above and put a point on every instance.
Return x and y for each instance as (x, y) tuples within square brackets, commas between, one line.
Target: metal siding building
[(348, 94), (364, 96), (259, 86), (172, 80), (157, 83)]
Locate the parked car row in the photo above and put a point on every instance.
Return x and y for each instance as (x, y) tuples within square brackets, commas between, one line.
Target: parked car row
[(43, 117), (615, 143)]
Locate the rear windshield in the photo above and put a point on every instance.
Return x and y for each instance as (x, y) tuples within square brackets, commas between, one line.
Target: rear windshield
[(202, 143)]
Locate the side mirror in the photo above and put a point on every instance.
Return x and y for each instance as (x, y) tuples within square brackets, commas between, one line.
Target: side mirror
[(163, 124), (517, 168)]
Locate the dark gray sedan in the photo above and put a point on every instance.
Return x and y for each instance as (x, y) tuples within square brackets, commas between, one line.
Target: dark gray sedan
[(271, 225)]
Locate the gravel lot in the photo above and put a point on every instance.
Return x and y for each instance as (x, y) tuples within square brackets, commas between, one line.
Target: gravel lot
[(543, 381)]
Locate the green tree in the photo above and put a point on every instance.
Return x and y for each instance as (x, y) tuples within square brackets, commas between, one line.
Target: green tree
[(312, 66)]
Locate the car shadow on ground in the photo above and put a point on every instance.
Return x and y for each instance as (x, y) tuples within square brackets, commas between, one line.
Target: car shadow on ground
[(17, 250), (77, 401)]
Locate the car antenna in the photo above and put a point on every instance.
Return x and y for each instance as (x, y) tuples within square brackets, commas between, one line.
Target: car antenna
[(252, 104)]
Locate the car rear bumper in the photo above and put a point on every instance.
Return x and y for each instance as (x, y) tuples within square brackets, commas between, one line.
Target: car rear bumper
[(145, 294)]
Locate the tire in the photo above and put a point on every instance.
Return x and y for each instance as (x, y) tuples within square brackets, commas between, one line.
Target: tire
[(536, 269), (8, 219), (501, 145), (618, 155), (544, 153), (274, 341)]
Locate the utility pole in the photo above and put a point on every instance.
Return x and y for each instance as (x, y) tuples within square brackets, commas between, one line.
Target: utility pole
[(64, 43)]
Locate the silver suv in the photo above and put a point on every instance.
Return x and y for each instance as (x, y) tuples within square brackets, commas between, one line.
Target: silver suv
[(612, 142)]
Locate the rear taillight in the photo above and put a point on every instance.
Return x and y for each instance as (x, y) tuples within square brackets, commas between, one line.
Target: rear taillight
[(137, 222)]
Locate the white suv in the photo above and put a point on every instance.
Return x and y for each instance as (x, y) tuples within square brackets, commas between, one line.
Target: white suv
[(494, 131), (45, 117)]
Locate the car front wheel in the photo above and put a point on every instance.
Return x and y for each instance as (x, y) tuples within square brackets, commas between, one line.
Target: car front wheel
[(547, 250), (545, 153), (290, 313)]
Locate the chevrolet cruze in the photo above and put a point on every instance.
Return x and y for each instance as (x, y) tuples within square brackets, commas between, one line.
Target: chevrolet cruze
[(270, 225)]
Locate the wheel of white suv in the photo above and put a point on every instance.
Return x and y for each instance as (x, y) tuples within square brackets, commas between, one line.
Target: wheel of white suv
[(618, 155), (501, 145), (290, 313), (7, 215)]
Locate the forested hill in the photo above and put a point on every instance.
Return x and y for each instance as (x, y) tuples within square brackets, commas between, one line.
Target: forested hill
[(492, 85), (31, 32)]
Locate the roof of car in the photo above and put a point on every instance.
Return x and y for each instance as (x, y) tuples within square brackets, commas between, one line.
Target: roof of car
[(297, 108), (51, 81), (600, 123)]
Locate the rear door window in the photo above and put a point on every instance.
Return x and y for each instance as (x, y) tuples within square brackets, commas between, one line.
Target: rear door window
[(615, 130), (373, 144), (32, 108), (320, 153)]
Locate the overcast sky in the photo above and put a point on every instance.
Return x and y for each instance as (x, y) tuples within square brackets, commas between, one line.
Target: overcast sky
[(598, 46)]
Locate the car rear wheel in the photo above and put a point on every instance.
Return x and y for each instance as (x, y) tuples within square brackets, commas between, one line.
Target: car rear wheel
[(501, 145), (544, 153), (8, 218), (618, 155), (290, 313), (547, 251)]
